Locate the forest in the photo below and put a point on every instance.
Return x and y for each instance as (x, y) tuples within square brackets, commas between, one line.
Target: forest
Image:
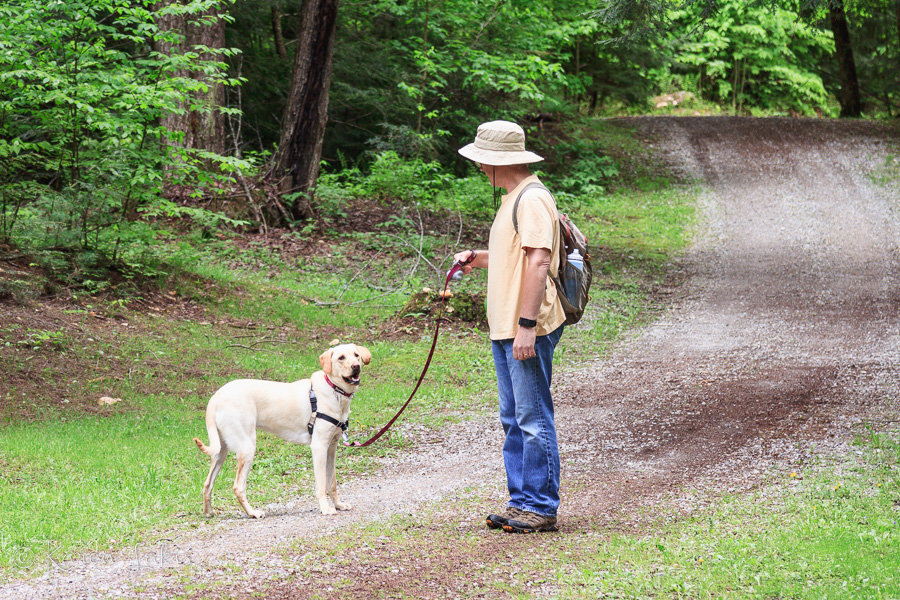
[(198, 191), (117, 116)]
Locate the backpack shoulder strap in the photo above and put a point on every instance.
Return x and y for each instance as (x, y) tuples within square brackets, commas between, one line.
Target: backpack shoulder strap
[(530, 186)]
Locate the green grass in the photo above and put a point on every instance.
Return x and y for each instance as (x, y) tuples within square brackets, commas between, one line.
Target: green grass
[(887, 174), (633, 236), (92, 482), (832, 534)]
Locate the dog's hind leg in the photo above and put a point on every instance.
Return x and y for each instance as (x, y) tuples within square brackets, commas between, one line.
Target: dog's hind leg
[(331, 483), (244, 462), (217, 451), (215, 466)]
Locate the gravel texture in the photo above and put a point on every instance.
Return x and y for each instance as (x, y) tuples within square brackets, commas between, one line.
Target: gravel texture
[(779, 342)]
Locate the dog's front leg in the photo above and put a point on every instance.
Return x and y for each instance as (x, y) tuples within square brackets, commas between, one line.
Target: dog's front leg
[(319, 448), (332, 479)]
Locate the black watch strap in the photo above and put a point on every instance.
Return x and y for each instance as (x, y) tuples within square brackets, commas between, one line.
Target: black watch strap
[(527, 323)]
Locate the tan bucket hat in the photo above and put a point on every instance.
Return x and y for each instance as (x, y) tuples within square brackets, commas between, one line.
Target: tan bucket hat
[(499, 143)]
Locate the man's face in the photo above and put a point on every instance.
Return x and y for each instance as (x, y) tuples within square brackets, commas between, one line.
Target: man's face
[(487, 170)]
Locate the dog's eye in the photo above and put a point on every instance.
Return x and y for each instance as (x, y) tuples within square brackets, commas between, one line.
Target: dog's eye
[(342, 357), (356, 355)]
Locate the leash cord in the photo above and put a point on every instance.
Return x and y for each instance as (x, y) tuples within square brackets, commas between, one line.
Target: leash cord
[(456, 267)]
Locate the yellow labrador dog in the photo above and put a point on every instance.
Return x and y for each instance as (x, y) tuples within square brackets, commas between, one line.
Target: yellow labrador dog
[(311, 411)]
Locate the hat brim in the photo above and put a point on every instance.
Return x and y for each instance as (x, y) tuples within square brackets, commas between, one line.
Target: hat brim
[(498, 159)]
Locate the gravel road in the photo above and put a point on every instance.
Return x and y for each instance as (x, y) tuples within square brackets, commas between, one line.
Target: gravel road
[(780, 336)]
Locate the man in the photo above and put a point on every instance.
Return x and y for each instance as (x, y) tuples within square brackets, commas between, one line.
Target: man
[(526, 322)]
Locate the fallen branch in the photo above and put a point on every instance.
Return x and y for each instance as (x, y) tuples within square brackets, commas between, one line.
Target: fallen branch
[(251, 348), (253, 345), (355, 275)]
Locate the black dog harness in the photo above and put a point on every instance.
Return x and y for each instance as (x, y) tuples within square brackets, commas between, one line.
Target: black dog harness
[(313, 401)]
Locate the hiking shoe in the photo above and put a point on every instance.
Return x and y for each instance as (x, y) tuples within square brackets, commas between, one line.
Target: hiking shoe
[(498, 521), (529, 522)]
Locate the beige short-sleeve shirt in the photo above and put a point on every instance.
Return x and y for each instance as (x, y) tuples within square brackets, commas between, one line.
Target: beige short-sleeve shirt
[(538, 228)]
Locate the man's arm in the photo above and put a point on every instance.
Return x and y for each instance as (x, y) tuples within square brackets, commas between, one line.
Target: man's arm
[(537, 265)]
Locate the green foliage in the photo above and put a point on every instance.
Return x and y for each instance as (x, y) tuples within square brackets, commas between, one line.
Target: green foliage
[(267, 76), (412, 180), (752, 57), (584, 168), (335, 189), (85, 166), (85, 160), (413, 78), (416, 78), (875, 35), (38, 339)]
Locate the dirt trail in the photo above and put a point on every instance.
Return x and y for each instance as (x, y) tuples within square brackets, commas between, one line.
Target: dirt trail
[(786, 330), (784, 334)]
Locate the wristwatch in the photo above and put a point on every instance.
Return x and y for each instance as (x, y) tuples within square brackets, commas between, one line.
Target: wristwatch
[(527, 323)]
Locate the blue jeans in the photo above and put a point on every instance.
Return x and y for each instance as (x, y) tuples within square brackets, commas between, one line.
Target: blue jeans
[(530, 451)]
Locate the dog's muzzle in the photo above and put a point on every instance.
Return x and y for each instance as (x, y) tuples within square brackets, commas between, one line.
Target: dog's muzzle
[(354, 376)]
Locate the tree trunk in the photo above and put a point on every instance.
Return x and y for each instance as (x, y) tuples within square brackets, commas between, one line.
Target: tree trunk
[(203, 130), (276, 33), (306, 112), (851, 105)]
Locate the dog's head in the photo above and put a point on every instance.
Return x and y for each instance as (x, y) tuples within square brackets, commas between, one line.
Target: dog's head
[(343, 363)]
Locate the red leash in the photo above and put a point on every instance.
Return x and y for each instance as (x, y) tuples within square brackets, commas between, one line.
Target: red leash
[(453, 270)]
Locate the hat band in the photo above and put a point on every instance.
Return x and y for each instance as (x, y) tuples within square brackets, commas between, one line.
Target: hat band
[(499, 146)]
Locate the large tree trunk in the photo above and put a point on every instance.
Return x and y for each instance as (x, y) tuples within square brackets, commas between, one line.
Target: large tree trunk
[(851, 105), (306, 113), (203, 130)]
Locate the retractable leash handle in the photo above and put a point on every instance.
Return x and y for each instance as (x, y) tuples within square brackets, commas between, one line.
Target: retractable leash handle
[(454, 270), (455, 273)]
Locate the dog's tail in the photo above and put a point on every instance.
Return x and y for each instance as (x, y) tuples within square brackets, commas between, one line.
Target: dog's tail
[(203, 447), (215, 442)]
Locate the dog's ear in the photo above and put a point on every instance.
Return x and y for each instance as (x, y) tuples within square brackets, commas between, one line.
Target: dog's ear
[(325, 361), (364, 354)]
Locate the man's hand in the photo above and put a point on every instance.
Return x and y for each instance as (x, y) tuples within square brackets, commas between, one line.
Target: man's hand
[(523, 345), (476, 258)]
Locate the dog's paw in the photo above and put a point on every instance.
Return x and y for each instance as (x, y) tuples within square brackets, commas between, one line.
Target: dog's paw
[(329, 510), (257, 514), (343, 506)]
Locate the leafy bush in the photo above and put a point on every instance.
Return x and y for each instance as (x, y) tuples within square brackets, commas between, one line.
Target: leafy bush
[(83, 159), (413, 179), (335, 189), (470, 195), (582, 168)]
